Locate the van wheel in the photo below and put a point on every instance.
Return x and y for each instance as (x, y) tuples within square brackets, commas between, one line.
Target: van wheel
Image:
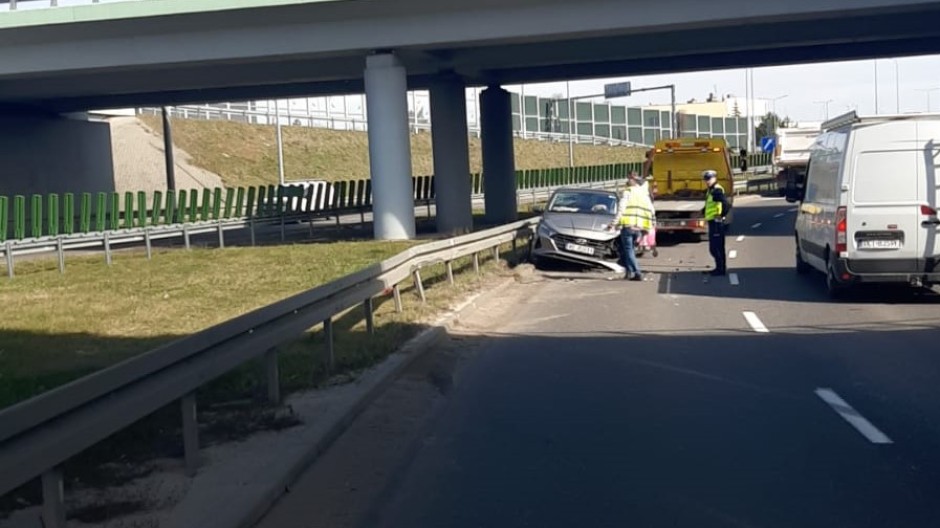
[(836, 290), (802, 268)]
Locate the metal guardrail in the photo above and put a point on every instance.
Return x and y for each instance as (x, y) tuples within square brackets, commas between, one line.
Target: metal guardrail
[(38, 435)]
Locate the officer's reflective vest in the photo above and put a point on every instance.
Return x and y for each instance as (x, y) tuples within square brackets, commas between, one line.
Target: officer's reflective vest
[(712, 206), (637, 211)]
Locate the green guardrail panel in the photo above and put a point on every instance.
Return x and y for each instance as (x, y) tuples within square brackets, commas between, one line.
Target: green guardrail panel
[(4, 218), (19, 217), (181, 207), (35, 216), (52, 210), (217, 203), (250, 202), (141, 209), (229, 202), (261, 211), (240, 202), (194, 205), (85, 224), (170, 213), (101, 212), (156, 212), (206, 204), (114, 218), (128, 210)]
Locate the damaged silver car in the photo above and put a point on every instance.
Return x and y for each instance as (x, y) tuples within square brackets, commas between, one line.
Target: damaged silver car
[(580, 226)]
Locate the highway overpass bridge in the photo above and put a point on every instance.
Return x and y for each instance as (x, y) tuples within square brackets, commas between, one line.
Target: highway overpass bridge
[(58, 61)]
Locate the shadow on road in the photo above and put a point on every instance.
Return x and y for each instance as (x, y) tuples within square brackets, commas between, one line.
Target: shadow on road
[(784, 284)]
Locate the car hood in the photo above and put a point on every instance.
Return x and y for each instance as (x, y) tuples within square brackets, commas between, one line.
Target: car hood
[(590, 226)]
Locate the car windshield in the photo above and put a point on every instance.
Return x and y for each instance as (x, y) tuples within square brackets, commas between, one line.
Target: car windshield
[(583, 202)]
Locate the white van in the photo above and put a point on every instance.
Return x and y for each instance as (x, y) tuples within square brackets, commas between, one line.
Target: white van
[(869, 208)]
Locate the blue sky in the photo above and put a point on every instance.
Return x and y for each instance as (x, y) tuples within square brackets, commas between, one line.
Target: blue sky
[(850, 85)]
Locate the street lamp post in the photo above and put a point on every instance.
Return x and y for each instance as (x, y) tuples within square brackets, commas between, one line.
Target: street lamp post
[(897, 88), (826, 103), (773, 102), (876, 86), (927, 91)]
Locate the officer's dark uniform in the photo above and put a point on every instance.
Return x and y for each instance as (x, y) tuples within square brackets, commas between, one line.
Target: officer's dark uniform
[(717, 208)]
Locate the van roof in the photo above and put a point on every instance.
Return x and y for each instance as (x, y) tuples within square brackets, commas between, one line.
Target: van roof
[(852, 118)]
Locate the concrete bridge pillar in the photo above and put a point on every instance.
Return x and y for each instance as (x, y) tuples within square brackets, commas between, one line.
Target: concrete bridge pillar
[(389, 148), (499, 166), (451, 155)]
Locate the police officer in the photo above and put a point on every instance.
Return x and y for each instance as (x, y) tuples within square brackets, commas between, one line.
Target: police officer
[(717, 208)]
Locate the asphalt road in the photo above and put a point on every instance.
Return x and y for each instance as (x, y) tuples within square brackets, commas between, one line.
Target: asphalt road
[(741, 402)]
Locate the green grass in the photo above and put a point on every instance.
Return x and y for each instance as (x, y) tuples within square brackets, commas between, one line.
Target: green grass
[(244, 154), (59, 327)]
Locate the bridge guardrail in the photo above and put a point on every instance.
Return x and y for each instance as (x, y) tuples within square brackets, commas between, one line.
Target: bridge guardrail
[(41, 433)]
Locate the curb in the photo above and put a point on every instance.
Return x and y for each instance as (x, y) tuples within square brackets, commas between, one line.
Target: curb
[(247, 512)]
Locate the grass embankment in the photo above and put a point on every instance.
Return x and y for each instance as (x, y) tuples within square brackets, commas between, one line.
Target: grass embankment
[(59, 327), (244, 154)]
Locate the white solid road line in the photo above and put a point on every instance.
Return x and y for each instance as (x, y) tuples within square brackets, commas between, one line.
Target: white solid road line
[(852, 416), (755, 226), (741, 238), (733, 253), (733, 279), (755, 323)]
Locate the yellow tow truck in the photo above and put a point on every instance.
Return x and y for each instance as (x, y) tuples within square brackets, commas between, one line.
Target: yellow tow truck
[(675, 167)]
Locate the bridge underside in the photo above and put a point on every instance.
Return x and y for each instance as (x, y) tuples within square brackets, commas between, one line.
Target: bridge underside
[(332, 47), (204, 58)]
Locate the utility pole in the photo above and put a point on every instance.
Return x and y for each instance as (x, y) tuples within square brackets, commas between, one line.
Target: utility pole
[(897, 88), (927, 91), (280, 142), (570, 125)]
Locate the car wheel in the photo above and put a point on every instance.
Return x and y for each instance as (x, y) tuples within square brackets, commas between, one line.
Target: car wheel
[(802, 267), (835, 289)]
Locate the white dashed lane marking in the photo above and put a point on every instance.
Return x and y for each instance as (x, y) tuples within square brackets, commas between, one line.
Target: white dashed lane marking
[(852, 416), (755, 323), (755, 226)]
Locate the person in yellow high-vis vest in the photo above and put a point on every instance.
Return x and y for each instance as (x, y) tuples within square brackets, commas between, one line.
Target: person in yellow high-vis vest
[(636, 216), (717, 208)]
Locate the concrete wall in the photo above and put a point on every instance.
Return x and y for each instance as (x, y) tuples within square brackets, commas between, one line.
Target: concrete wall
[(40, 155)]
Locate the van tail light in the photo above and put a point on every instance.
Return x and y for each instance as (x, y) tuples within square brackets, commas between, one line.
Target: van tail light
[(841, 230), (926, 210)]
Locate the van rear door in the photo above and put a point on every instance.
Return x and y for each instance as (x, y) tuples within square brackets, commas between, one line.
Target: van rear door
[(884, 224)]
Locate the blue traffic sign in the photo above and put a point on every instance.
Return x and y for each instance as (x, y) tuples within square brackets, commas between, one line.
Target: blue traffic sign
[(768, 144)]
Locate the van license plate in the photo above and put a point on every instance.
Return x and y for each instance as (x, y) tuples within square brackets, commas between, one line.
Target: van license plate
[(577, 248), (880, 244)]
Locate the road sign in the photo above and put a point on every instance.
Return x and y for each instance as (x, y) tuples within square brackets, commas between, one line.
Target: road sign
[(617, 90), (768, 144)]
